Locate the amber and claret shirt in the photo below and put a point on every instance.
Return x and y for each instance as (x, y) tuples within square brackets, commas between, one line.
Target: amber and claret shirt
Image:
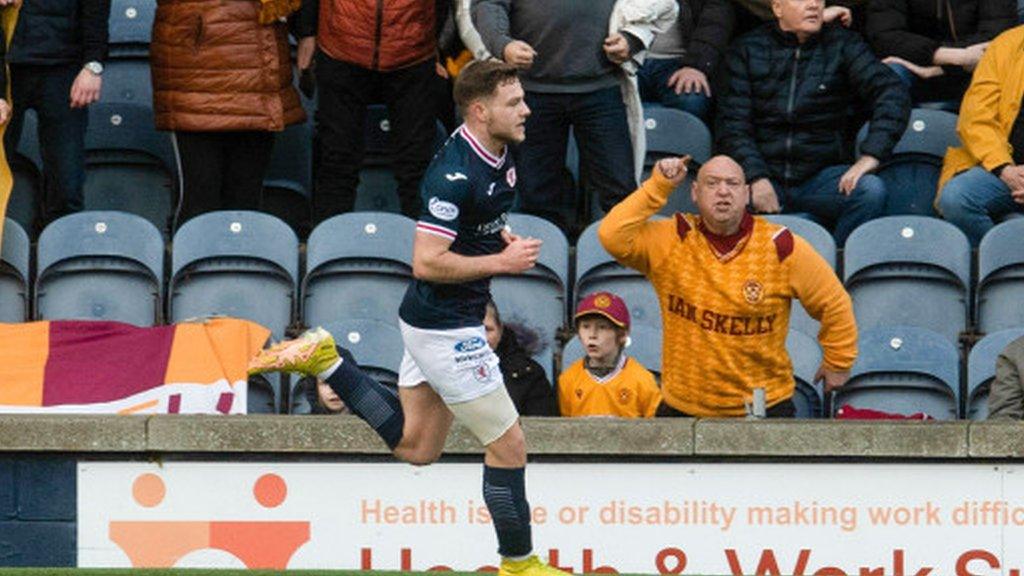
[(725, 301), (629, 391)]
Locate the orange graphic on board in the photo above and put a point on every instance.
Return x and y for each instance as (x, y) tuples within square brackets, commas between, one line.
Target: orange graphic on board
[(258, 544)]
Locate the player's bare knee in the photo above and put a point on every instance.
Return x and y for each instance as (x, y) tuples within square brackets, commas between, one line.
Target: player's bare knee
[(509, 450)]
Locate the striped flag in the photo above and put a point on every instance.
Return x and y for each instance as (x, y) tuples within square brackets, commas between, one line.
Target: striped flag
[(116, 368)]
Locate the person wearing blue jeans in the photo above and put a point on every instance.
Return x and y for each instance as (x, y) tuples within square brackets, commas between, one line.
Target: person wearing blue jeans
[(822, 196), (655, 79), (974, 199)]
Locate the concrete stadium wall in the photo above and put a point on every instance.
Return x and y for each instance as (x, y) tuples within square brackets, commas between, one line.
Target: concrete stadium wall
[(39, 453)]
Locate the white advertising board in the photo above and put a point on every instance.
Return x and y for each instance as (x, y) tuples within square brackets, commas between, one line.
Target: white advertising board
[(823, 519)]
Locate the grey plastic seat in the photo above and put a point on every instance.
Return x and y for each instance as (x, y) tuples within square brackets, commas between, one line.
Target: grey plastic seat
[(536, 298), (358, 266), (644, 345), (130, 27), (911, 271), (1000, 291), (127, 81), (130, 166), (805, 354), (905, 370), (235, 263), (14, 273), (981, 370), (596, 270), (821, 240), (911, 174), (100, 266)]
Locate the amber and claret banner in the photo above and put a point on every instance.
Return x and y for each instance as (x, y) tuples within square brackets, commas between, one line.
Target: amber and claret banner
[(94, 367), (822, 519)]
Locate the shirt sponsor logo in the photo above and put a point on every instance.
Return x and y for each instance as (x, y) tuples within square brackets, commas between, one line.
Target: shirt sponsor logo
[(443, 210), (493, 226), (456, 176), (466, 346), (713, 321)]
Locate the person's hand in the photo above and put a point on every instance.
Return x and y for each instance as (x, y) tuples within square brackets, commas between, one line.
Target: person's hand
[(971, 55), (862, 166), (1013, 176), (673, 169), (86, 89), (841, 13), (5, 111), (519, 54), (520, 254), (616, 48), (832, 379), (763, 197), (689, 80), (304, 52), (924, 72)]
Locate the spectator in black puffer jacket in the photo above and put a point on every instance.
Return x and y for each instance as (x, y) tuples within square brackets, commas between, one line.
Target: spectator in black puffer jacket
[(786, 117), (524, 378), (934, 45)]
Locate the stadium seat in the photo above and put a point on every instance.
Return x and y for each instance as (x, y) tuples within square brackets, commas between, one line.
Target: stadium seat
[(904, 370), (130, 27), (288, 184), (26, 192), (235, 263), (100, 266), (261, 397), (644, 345), (596, 270), (805, 353), (909, 270), (127, 82), (129, 165), (358, 266), (1000, 292), (911, 174), (14, 273), (981, 370), (821, 240), (536, 298)]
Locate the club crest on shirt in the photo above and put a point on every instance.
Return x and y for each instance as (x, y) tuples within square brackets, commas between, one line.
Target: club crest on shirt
[(753, 291), (443, 210), (510, 176), (482, 373), (625, 395)]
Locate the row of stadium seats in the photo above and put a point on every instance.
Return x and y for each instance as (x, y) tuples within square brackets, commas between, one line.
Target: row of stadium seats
[(908, 272)]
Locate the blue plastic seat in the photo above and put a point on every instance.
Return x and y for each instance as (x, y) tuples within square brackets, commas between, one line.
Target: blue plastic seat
[(235, 263), (100, 266), (596, 270), (130, 27), (358, 266), (981, 370), (127, 82), (1000, 292), (129, 165), (536, 298), (644, 345), (821, 240), (911, 174), (805, 353), (14, 273), (904, 370), (911, 271)]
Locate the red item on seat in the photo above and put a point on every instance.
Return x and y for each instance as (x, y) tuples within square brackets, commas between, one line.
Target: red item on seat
[(848, 412)]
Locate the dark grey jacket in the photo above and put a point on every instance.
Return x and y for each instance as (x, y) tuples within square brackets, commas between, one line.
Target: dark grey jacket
[(60, 32), (1006, 395)]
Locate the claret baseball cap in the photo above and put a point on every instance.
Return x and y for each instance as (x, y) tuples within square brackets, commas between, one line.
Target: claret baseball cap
[(606, 304)]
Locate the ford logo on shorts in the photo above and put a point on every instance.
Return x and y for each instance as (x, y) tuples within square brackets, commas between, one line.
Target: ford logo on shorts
[(474, 343)]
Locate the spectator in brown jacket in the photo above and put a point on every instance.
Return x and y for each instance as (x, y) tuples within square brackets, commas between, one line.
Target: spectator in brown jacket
[(222, 82)]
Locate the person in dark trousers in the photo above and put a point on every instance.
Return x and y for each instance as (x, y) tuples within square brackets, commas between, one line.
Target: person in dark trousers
[(364, 52), (786, 117), (56, 57), (934, 45), (525, 380), (683, 64)]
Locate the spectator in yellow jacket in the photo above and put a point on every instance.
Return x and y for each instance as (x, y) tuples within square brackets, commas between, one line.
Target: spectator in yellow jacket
[(983, 180), (606, 381), (725, 280)]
